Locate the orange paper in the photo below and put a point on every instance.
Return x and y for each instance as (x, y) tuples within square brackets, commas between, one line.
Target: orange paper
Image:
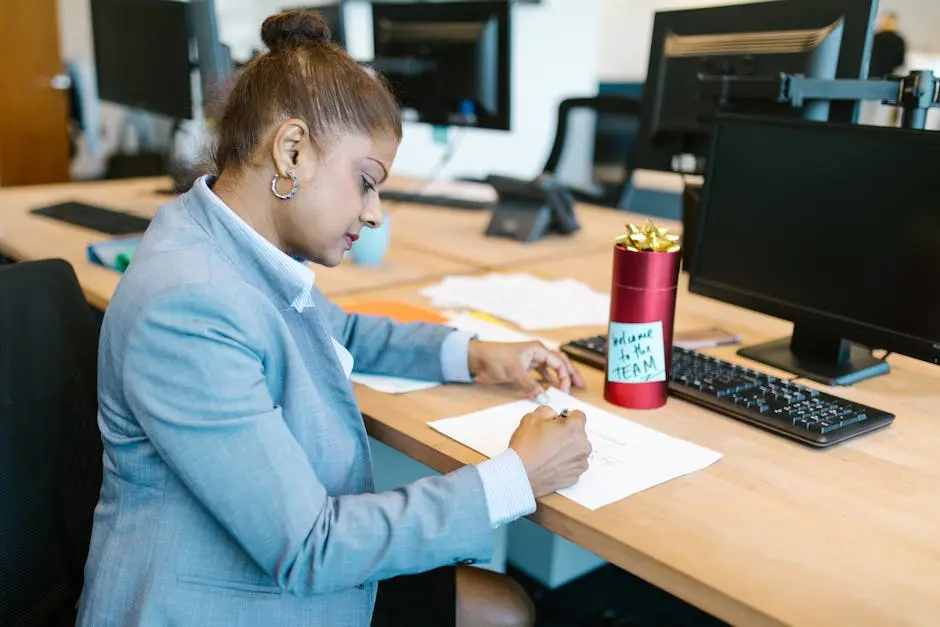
[(397, 310)]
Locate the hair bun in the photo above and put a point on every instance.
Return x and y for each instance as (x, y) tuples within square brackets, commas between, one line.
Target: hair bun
[(294, 29)]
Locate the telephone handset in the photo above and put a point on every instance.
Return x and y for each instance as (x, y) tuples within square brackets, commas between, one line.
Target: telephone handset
[(527, 210)]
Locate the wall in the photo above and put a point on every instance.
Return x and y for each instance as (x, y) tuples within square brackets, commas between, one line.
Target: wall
[(919, 22), (626, 26), (554, 55)]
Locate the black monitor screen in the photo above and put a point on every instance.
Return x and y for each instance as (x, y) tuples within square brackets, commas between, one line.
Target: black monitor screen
[(448, 62), (835, 226), (692, 50), (332, 14), (142, 54)]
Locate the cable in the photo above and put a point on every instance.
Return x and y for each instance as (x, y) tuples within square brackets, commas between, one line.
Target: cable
[(450, 149)]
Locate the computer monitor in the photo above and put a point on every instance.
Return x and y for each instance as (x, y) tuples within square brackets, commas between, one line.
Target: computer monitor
[(142, 54), (834, 227), (333, 15), (448, 63), (815, 38), (214, 59)]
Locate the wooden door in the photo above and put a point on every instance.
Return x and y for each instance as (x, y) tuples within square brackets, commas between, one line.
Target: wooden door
[(34, 141)]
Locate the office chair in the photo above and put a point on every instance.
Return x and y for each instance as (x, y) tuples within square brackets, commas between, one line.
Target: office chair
[(615, 131), (50, 448)]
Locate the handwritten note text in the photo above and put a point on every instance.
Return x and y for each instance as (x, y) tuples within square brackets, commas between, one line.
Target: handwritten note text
[(635, 352)]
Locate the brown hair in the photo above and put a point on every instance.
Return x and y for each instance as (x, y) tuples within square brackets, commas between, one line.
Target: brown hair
[(306, 76)]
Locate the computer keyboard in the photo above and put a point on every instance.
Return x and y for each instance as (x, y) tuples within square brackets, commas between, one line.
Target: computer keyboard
[(783, 407), (101, 219)]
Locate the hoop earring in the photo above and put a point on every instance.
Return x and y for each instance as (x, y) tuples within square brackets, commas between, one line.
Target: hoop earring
[(293, 189)]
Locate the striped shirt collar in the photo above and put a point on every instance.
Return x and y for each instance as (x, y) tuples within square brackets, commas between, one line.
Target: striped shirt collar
[(297, 274)]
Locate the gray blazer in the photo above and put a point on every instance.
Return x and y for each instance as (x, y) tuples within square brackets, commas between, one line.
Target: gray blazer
[(238, 484)]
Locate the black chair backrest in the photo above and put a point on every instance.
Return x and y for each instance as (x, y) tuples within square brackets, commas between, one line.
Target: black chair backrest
[(50, 447), (617, 120)]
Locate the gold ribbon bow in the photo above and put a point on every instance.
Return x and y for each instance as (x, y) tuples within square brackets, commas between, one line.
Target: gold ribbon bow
[(649, 238)]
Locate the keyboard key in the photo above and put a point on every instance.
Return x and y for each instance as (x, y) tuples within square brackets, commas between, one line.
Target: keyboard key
[(787, 408)]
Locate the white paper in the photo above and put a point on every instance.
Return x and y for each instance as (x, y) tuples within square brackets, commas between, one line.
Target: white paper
[(636, 353), (627, 457), (530, 302), (486, 331), (392, 385)]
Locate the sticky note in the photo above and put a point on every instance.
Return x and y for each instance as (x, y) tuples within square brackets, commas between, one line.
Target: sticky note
[(635, 352)]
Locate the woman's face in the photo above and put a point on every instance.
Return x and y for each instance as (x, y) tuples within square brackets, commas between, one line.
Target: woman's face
[(336, 197)]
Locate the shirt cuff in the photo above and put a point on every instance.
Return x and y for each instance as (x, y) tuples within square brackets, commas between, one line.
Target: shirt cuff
[(454, 365), (507, 489)]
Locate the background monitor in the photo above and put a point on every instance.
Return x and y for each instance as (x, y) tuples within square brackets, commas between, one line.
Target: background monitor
[(333, 15), (214, 59), (832, 226), (815, 38), (447, 63), (142, 54)]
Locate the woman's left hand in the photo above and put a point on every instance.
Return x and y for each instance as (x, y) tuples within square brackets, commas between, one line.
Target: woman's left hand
[(511, 362)]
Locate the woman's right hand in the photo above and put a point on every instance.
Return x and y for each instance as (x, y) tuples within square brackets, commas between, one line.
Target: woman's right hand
[(554, 449)]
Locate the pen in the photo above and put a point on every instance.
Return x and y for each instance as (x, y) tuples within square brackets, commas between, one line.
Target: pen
[(564, 413)]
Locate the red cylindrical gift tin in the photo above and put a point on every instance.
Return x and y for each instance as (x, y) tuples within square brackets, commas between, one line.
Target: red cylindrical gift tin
[(642, 311)]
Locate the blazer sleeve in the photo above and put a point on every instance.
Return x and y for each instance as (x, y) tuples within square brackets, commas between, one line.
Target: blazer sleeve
[(381, 345), (194, 379)]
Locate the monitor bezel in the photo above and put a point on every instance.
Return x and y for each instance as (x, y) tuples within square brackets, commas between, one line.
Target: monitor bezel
[(853, 330), (105, 83), (503, 11), (854, 55)]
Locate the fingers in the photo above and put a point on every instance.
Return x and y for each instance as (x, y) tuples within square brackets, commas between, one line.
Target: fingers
[(577, 418), (546, 373), (543, 412), (540, 357), (576, 377), (530, 387)]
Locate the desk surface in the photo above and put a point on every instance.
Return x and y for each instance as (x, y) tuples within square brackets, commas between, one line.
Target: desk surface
[(912, 383), (775, 533), (25, 236), (459, 234)]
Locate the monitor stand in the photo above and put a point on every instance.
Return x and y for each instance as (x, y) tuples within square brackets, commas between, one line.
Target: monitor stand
[(818, 356)]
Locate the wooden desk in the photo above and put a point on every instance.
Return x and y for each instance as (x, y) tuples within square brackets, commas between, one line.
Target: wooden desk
[(459, 234), (401, 266), (696, 311), (912, 383), (25, 236), (775, 533)]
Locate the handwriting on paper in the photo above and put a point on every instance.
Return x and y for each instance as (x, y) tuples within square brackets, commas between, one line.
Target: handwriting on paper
[(635, 352), (627, 457)]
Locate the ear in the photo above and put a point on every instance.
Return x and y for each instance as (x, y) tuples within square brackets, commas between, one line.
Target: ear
[(292, 149)]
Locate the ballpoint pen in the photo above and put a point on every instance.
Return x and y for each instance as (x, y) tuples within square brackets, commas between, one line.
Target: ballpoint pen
[(563, 413)]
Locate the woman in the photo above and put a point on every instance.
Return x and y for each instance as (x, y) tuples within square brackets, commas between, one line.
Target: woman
[(237, 483)]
